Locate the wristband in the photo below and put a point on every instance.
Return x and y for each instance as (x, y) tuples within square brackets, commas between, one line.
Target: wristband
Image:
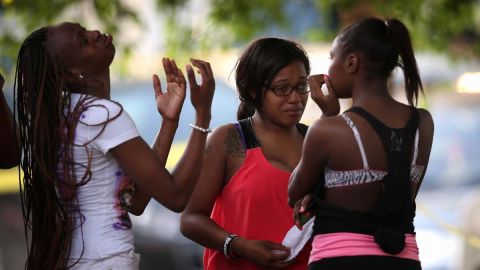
[(227, 247)]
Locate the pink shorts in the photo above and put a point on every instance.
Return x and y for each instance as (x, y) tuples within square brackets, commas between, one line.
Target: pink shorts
[(354, 244)]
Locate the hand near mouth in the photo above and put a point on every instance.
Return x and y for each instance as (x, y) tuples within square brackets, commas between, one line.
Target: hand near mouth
[(329, 103)]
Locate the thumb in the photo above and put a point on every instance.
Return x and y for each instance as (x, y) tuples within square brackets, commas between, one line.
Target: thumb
[(279, 252)]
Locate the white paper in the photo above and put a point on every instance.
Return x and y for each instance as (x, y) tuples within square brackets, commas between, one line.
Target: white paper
[(295, 239)]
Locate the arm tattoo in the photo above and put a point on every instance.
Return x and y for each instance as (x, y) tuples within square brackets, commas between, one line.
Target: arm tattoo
[(234, 144)]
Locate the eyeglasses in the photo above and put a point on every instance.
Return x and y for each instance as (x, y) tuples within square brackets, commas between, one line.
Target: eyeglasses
[(286, 90)]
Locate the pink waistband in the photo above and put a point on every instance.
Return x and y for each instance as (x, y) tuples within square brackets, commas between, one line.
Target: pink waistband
[(355, 244)]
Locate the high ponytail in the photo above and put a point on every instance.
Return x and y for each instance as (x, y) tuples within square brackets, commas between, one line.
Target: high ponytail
[(385, 45), (401, 38)]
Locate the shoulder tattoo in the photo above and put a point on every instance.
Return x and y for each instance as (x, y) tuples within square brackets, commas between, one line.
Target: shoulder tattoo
[(234, 144)]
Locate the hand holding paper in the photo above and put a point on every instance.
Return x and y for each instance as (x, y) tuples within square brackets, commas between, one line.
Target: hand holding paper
[(296, 239)]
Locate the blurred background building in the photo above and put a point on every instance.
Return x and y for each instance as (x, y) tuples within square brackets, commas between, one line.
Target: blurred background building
[(446, 37)]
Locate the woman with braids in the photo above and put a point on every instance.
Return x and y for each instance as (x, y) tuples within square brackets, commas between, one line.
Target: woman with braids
[(79, 146), (239, 209), (365, 167), (8, 150)]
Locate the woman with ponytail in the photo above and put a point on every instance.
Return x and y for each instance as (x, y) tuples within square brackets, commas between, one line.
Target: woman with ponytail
[(360, 171), (239, 209), (78, 147)]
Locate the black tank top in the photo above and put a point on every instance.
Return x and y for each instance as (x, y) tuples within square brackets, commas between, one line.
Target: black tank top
[(392, 215)]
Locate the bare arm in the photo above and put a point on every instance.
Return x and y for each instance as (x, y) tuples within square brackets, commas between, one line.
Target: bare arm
[(146, 167), (196, 223), (189, 166), (426, 131), (195, 220), (9, 153), (309, 170)]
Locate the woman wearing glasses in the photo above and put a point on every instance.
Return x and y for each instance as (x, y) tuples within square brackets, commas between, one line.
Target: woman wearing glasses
[(239, 209)]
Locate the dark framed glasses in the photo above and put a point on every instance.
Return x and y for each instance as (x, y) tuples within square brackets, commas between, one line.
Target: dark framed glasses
[(285, 89)]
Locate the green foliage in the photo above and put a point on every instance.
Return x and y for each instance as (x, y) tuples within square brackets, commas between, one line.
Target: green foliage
[(171, 3), (178, 37), (247, 18), (110, 12), (434, 24)]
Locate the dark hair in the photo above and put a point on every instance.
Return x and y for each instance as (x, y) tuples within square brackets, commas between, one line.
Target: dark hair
[(385, 45), (257, 66), (47, 133)]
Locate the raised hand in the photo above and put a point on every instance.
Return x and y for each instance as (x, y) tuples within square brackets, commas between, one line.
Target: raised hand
[(170, 102), (201, 95), (329, 104)]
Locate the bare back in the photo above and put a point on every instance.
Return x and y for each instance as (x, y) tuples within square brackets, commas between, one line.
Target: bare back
[(354, 179)]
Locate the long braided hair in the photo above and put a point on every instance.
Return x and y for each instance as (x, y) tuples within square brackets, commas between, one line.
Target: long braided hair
[(47, 132)]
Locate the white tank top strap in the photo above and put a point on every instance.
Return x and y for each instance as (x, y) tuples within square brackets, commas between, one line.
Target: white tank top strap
[(357, 138), (415, 151)]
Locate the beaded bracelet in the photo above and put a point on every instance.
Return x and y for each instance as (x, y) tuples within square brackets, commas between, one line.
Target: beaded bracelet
[(203, 130), (227, 247)]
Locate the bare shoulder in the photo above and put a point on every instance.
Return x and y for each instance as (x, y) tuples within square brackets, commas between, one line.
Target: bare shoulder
[(226, 139), (327, 125), (426, 120), (426, 128), (323, 130)]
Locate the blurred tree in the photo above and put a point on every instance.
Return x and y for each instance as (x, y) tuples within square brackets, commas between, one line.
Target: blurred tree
[(248, 18), (451, 26)]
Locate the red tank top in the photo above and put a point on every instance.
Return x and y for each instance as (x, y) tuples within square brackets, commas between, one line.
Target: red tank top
[(254, 205)]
